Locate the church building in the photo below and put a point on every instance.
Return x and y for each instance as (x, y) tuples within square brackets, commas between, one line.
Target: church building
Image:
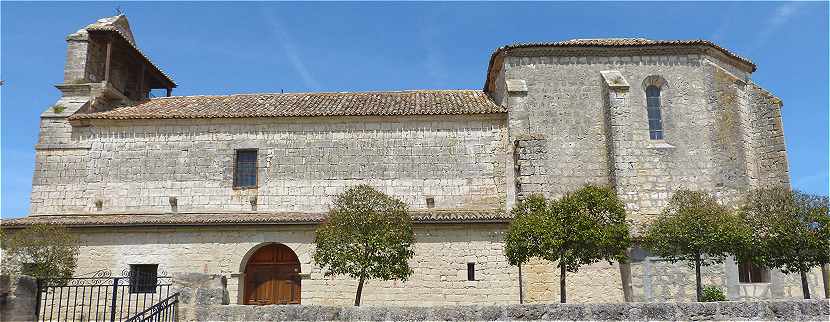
[(235, 185)]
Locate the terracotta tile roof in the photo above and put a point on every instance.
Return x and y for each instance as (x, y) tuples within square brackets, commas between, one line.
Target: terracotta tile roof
[(129, 41), (616, 43), (200, 219), (422, 102)]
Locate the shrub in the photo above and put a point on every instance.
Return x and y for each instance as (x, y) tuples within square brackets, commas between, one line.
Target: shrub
[(40, 251), (712, 293)]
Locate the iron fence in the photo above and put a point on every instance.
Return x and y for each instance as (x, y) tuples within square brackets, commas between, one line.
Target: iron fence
[(100, 297), (163, 311)]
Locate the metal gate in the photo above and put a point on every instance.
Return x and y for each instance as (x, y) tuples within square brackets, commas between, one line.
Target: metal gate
[(102, 297)]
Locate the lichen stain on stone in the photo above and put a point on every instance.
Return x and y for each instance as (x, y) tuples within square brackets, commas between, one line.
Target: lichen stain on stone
[(728, 121)]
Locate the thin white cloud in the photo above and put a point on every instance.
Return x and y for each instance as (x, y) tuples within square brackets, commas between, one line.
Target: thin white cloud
[(289, 49), (782, 15)]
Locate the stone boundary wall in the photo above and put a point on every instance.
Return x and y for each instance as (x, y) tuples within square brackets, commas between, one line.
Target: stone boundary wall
[(202, 298), (805, 310)]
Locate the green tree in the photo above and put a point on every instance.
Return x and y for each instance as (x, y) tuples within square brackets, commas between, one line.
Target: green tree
[(582, 228), (694, 227), (790, 230), (40, 251), (366, 235)]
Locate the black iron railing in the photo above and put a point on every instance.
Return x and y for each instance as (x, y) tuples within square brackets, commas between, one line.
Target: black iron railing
[(163, 311), (100, 297)]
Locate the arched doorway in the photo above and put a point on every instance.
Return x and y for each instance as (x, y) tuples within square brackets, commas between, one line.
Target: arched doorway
[(272, 276)]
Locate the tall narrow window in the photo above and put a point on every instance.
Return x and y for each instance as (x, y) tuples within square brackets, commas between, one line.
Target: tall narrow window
[(244, 174), (655, 119), (471, 271)]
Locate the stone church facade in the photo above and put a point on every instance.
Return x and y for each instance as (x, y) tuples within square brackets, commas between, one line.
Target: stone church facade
[(207, 183)]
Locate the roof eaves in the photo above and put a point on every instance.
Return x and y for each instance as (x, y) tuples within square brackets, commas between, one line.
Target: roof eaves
[(121, 220), (107, 28), (612, 43)]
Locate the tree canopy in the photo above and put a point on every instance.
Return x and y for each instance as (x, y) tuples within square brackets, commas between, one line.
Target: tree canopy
[(695, 227), (583, 227), (367, 235), (40, 251), (790, 230)]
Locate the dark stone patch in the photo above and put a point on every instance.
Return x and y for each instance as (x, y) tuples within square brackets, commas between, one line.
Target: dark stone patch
[(573, 312), (609, 312), (696, 311), (491, 313), (744, 310), (658, 311), (780, 311)]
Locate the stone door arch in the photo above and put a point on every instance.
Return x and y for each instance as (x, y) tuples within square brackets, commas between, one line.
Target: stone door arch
[(272, 276)]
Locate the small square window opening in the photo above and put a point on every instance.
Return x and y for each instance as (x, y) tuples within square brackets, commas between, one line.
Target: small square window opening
[(143, 278), (430, 202)]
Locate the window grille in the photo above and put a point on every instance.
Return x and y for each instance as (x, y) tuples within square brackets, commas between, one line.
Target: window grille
[(245, 171), (655, 118), (143, 278)]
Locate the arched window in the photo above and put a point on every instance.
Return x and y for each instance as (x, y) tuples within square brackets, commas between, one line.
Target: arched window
[(655, 119)]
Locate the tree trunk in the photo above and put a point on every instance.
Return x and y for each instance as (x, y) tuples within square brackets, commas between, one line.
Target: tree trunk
[(805, 288), (561, 282), (521, 290), (359, 291), (697, 279), (625, 277), (825, 276)]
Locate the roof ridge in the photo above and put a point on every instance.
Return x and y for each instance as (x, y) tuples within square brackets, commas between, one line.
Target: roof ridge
[(328, 92)]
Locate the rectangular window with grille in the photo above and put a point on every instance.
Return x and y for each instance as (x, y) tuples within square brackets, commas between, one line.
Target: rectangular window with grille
[(245, 169), (749, 272), (143, 278)]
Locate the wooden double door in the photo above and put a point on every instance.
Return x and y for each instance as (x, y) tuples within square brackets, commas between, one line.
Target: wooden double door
[(272, 276)]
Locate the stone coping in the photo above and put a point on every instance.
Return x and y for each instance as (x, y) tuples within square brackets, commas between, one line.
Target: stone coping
[(793, 310)]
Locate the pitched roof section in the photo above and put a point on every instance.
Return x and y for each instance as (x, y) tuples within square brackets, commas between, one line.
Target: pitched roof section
[(423, 102), (119, 26), (285, 218), (616, 43)]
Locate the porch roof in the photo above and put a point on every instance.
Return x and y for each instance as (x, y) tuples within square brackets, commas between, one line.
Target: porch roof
[(244, 218)]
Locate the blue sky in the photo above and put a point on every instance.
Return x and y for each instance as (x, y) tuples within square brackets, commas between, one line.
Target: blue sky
[(218, 48)]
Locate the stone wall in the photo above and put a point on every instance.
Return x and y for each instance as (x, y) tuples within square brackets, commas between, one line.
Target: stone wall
[(715, 121), (441, 256), (768, 143), (18, 298), (137, 166), (440, 263)]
